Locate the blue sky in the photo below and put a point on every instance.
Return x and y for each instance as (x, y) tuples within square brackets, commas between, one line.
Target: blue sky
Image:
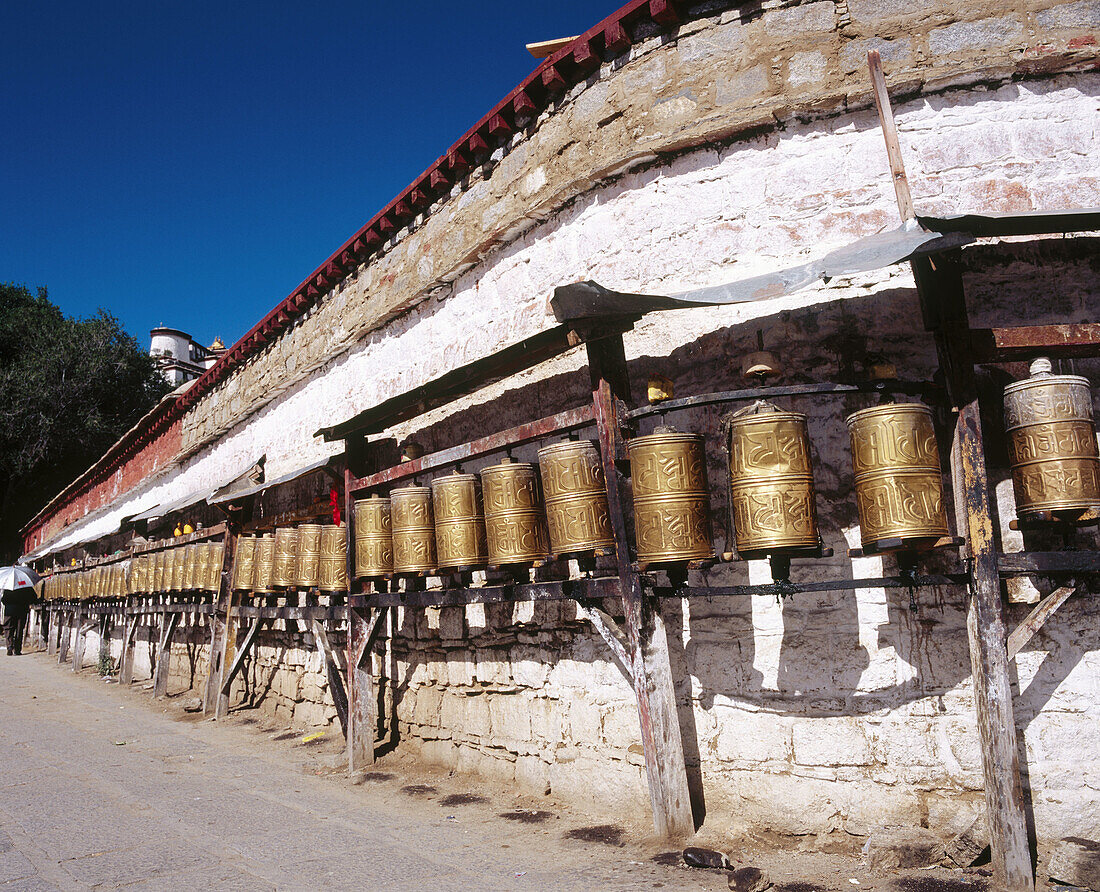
[(188, 164)]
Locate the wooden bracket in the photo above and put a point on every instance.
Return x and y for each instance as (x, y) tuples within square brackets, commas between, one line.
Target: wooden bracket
[(610, 631), (362, 708), (126, 662), (1045, 609), (332, 670), (238, 658), (164, 655)]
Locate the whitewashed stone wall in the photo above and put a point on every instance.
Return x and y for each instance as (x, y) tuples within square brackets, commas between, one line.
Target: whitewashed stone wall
[(836, 712)]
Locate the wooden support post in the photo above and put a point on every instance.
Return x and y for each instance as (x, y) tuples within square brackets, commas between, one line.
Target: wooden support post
[(65, 633), (890, 134), (941, 289), (332, 671), (362, 715), (164, 654), (662, 744), (126, 661), (81, 642), (52, 639), (223, 635), (242, 652)]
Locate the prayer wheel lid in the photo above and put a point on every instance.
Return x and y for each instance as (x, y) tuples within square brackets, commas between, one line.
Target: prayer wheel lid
[(886, 409), (1042, 374)]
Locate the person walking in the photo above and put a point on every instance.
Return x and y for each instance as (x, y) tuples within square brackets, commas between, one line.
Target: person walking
[(17, 587)]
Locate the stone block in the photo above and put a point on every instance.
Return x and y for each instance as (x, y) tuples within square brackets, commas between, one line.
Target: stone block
[(903, 847), (876, 10), (620, 726), (998, 35), (477, 720), (584, 722), (533, 774), (830, 742), (854, 54), (752, 737), (1082, 14), (738, 86), (807, 68), (452, 622), (1076, 861), (428, 701), (511, 719), (818, 16)]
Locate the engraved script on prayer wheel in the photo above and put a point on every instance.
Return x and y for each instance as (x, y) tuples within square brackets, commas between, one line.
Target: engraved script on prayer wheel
[(286, 554), (308, 572), (671, 498), (263, 564), (202, 562), (576, 497), (333, 562), (899, 486), (215, 566), (373, 538), (156, 575), (178, 559), (190, 557), (413, 529), (771, 482), (459, 522), (243, 562), (1052, 444), (514, 529)]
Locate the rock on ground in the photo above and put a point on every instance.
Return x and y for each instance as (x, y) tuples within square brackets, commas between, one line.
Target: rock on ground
[(1076, 861), (903, 847)]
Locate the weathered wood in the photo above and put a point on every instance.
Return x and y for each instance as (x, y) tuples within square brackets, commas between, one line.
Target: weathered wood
[(1045, 609), (81, 642), (332, 671), (1076, 340), (52, 639), (164, 655), (941, 292), (239, 656), (890, 134), (223, 635), (1053, 563), (126, 661), (65, 636), (662, 745), (363, 626), (613, 636)]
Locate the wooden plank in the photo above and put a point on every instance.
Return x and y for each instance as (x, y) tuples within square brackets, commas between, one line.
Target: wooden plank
[(126, 662), (81, 642), (1029, 563), (332, 671), (941, 290), (662, 745), (613, 636), (223, 635), (540, 49), (65, 635), (890, 134), (1080, 340), (53, 640), (472, 377), (363, 625), (1045, 609), (603, 587), (239, 656), (562, 422), (164, 655)]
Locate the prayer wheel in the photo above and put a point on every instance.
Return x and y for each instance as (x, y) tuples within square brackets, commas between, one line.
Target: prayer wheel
[(1052, 444), (899, 486), (190, 562), (263, 564), (459, 522), (202, 564), (133, 581), (576, 497), (333, 566), (514, 529), (214, 565), (156, 576), (286, 558), (771, 482), (243, 563), (373, 538), (179, 555), (671, 498), (308, 567), (413, 530)]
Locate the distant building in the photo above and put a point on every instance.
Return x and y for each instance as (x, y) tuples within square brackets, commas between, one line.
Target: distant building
[(179, 357)]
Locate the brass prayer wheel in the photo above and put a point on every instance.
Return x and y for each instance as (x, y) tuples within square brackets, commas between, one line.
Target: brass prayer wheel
[(308, 567), (373, 538), (263, 564), (1052, 444), (333, 565), (459, 522), (215, 561), (899, 485), (174, 570), (771, 482), (514, 529), (202, 563), (671, 498), (286, 558), (243, 563), (576, 497), (156, 576), (413, 530), (190, 559)]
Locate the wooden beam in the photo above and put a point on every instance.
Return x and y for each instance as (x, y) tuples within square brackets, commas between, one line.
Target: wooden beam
[(65, 635), (362, 717), (239, 656), (662, 746), (890, 134), (126, 662), (223, 635), (1045, 609), (540, 49), (332, 672), (164, 655), (1045, 563), (613, 636), (1070, 341)]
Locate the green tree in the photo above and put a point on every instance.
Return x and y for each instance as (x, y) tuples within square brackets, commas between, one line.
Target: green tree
[(69, 388)]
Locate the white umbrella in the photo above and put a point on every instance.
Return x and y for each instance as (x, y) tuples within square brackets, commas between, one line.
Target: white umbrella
[(12, 578)]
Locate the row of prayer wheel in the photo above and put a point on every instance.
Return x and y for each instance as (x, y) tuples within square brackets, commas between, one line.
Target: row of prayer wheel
[(185, 568), (512, 514), (307, 556)]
